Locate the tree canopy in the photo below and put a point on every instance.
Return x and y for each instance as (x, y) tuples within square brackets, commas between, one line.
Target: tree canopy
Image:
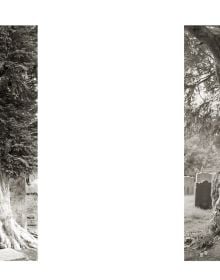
[(201, 96), (201, 79)]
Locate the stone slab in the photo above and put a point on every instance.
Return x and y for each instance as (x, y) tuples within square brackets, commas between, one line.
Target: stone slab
[(32, 188), (188, 185), (203, 176), (203, 197), (18, 196), (11, 255)]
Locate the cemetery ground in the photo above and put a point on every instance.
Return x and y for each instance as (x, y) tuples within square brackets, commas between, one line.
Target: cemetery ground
[(196, 227), (21, 255), (31, 254)]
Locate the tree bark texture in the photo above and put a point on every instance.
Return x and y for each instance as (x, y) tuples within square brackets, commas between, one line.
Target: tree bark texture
[(204, 35), (215, 224)]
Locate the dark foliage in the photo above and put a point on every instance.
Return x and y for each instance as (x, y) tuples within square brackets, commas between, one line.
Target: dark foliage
[(18, 100)]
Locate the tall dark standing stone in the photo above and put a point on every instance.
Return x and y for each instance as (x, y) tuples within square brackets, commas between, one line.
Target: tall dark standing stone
[(203, 197)]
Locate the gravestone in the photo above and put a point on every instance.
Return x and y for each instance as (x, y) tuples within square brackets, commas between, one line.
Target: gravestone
[(18, 200), (188, 185), (31, 206), (203, 190)]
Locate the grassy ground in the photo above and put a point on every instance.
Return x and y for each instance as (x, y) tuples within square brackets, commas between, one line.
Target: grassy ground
[(195, 219), (31, 254), (196, 223)]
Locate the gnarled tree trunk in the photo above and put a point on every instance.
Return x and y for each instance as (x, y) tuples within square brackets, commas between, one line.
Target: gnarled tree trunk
[(215, 223), (12, 235), (204, 35)]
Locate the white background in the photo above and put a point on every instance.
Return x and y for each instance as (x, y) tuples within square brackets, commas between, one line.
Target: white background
[(110, 138)]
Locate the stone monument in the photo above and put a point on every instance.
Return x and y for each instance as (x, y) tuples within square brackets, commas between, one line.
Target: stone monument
[(203, 190), (18, 201), (188, 185)]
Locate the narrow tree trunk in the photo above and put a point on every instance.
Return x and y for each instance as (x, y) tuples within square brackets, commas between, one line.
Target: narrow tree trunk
[(12, 235)]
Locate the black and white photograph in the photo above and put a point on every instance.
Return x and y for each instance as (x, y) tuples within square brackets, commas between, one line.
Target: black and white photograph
[(202, 142), (109, 140), (18, 143)]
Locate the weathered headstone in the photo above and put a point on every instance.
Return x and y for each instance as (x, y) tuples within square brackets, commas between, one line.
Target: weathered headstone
[(31, 206), (203, 190), (24, 199), (188, 185), (18, 198)]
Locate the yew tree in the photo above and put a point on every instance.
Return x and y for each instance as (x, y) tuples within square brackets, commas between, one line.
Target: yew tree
[(202, 94), (18, 123)]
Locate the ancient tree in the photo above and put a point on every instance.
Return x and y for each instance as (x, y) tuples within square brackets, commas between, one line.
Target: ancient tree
[(18, 123), (202, 93)]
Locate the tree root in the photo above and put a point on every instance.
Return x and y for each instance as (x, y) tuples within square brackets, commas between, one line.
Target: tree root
[(12, 235)]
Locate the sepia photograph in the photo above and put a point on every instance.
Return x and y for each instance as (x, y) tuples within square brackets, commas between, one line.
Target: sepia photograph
[(18, 143), (202, 142)]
